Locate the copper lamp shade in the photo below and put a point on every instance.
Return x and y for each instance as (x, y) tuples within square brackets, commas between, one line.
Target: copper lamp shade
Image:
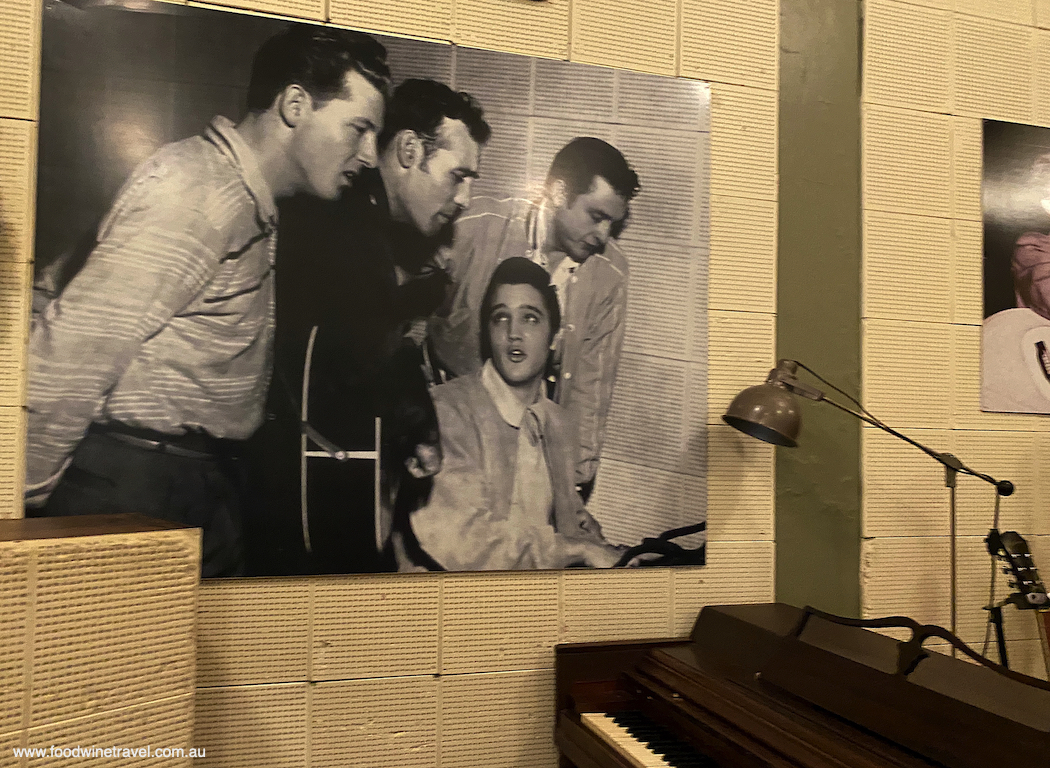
[(766, 411)]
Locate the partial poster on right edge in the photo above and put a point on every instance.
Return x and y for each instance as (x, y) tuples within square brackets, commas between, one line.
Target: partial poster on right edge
[(1015, 199)]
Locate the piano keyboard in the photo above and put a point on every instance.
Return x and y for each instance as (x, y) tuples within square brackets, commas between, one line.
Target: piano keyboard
[(645, 743)]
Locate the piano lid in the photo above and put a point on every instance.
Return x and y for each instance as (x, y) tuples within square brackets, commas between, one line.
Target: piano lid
[(957, 713)]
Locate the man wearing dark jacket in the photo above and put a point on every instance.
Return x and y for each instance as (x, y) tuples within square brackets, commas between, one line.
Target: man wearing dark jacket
[(352, 276)]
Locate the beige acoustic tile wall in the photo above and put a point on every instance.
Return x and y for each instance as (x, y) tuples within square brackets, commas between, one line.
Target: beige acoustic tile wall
[(932, 70), (458, 670), (98, 644), (19, 62)]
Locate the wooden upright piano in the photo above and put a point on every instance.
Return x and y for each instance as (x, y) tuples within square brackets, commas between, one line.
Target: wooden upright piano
[(773, 686)]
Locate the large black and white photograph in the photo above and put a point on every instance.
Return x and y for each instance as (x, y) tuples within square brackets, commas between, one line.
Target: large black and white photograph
[(353, 303), (1015, 346)]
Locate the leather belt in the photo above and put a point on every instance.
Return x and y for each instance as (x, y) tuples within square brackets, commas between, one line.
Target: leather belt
[(191, 445)]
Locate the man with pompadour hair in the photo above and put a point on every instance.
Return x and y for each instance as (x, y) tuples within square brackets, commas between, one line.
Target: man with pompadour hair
[(356, 273), (570, 230), (318, 59), (150, 369), (430, 149)]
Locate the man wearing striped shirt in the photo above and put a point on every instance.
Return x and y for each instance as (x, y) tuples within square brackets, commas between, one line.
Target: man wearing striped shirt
[(151, 367), (570, 232)]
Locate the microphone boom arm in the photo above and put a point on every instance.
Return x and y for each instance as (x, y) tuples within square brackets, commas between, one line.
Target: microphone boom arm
[(784, 376)]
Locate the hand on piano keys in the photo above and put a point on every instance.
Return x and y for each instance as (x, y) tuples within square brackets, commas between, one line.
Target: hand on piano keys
[(644, 743)]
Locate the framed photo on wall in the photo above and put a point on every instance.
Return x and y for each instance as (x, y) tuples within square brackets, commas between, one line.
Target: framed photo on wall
[(1015, 358), (354, 303)]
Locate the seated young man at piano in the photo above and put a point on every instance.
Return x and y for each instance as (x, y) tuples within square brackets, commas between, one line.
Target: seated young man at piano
[(505, 497)]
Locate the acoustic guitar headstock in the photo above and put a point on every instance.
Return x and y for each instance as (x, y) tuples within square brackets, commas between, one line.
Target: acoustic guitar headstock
[(1013, 550)]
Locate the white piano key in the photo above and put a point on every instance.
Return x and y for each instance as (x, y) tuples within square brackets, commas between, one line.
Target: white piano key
[(613, 733)]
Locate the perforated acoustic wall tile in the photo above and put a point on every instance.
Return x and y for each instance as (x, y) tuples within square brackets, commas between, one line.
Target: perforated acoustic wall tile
[(12, 460), (158, 725), (1026, 656), (15, 280), (646, 416), (666, 281), (518, 26), (944, 5), (699, 345), (17, 176), (594, 604), (1039, 544), (634, 34), (903, 490), (906, 259), (966, 273), (730, 42), (1007, 455), (498, 621), (495, 79), (369, 628), (389, 723), (1041, 524), (993, 69), (743, 142), (633, 501), (907, 161), (1041, 86), (966, 389), (673, 103), (420, 18), (906, 372), (1016, 11), (313, 10), (672, 166), (908, 59), (259, 726), (562, 89), (966, 168), (740, 486), (19, 58), (14, 633), (743, 264), (657, 412), (695, 417), (741, 350), (252, 631), (737, 572), (906, 576), (7, 744), (409, 59), (497, 719), (94, 598), (508, 151)]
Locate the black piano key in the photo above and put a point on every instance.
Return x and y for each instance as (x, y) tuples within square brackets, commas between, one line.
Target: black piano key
[(660, 740)]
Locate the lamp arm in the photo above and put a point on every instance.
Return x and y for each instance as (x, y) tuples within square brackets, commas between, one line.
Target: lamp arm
[(1002, 487)]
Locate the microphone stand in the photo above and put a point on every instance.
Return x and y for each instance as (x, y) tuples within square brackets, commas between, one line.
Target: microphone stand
[(784, 375)]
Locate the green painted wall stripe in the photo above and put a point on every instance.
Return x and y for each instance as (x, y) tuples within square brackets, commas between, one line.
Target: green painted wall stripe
[(818, 299)]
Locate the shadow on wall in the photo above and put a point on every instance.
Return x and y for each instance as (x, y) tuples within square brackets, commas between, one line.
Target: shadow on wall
[(112, 93)]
